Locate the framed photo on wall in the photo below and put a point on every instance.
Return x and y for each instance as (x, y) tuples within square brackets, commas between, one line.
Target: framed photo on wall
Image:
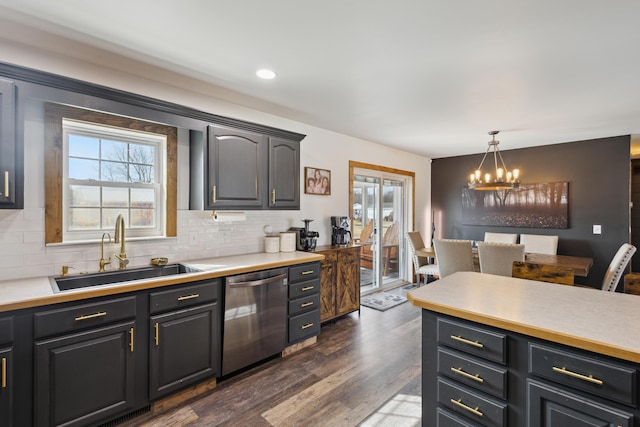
[(317, 181)]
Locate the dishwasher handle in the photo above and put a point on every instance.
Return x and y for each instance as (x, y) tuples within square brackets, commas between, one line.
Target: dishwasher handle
[(260, 282)]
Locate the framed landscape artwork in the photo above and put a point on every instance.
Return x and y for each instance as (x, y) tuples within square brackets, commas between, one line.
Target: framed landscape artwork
[(317, 181), (543, 205)]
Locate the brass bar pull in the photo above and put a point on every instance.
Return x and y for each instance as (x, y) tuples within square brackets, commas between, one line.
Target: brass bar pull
[(474, 411), (131, 339), (308, 325), (4, 372), (6, 183), (91, 316), (306, 304), (466, 341), (304, 273), (588, 378), (273, 196), (192, 296), (307, 288), (459, 371), (214, 194), (156, 328)]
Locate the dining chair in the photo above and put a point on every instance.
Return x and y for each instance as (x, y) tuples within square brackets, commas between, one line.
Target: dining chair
[(498, 258), (543, 272), (453, 255), (500, 237), (539, 244), (617, 266), (420, 264)]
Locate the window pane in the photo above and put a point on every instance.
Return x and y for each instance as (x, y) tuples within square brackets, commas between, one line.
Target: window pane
[(115, 197), (143, 198), (84, 218), (109, 217), (114, 172), (83, 196), (83, 169), (142, 218), (142, 154), (115, 150), (141, 173), (84, 146)]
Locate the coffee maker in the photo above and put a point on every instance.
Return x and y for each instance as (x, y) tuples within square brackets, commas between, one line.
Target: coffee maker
[(340, 232), (306, 239)]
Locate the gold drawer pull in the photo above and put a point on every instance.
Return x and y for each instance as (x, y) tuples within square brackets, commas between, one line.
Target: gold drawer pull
[(306, 304), (131, 339), (474, 411), (91, 316), (466, 341), (588, 378), (308, 325), (304, 273), (307, 288), (192, 296), (4, 372), (476, 377), (157, 338)]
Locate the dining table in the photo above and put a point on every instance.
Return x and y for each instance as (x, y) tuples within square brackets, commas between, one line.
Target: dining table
[(580, 265)]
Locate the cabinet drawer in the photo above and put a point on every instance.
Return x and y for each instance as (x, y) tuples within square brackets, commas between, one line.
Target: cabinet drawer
[(6, 330), (303, 272), (304, 304), (349, 255), (598, 377), (303, 289), (304, 326), (473, 340), (184, 296), (79, 317), (550, 406), (472, 372), (480, 409), (445, 418)]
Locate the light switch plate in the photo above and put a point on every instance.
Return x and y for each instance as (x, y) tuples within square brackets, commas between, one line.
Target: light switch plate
[(597, 229)]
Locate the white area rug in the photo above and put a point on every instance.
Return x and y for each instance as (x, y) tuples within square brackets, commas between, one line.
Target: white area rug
[(404, 410)]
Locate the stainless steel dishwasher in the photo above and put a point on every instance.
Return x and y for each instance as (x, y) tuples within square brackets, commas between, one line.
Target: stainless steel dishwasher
[(255, 318)]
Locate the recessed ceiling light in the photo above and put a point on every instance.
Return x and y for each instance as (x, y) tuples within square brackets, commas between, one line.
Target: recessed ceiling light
[(266, 74)]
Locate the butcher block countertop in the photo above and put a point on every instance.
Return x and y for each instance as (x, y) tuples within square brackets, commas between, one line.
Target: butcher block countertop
[(602, 322), (34, 292)]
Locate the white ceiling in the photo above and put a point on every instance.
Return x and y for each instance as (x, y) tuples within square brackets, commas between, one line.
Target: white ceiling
[(426, 76)]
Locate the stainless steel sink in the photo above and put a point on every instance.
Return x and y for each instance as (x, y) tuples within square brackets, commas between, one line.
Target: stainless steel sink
[(66, 283)]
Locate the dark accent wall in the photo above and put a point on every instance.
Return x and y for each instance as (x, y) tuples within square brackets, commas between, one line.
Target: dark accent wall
[(598, 175)]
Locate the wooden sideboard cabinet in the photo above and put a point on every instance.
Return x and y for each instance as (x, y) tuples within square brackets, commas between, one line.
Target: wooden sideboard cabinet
[(339, 281)]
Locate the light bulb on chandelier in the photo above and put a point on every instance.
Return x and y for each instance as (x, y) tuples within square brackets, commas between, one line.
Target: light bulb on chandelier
[(504, 179)]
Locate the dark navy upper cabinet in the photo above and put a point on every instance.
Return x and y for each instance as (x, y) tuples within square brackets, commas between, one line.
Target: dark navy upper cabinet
[(284, 174), (11, 179)]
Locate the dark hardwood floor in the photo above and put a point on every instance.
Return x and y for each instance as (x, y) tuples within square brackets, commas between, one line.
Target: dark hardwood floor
[(358, 363)]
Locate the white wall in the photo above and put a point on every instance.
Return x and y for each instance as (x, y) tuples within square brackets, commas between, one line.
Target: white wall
[(22, 249)]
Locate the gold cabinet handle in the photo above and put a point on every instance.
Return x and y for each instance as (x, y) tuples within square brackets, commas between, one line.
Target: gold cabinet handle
[(308, 325), (307, 288), (476, 378), (157, 338), (131, 339), (466, 341), (91, 316), (186, 297), (214, 194), (4, 372), (306, 304), (273, 196), (6, 183), (474, 411), (304, 273), (588, 378)]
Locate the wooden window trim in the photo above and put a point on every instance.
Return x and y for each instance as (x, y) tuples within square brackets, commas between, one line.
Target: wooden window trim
[(53, 163)]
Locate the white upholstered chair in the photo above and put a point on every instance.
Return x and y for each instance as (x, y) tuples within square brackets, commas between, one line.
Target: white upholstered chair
[(500, 237), (498, 258), (453, 255), (420, 264), (617, 266), (539, 244)]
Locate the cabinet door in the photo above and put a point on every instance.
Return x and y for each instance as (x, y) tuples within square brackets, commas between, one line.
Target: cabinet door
[(6, 387), (236, 169), (184, 348), (284, 174), (327, 286), (8, 185), (84, 378), (348, 281)]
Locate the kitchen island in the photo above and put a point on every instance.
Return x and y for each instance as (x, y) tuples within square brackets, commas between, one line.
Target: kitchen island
[(503, 351)]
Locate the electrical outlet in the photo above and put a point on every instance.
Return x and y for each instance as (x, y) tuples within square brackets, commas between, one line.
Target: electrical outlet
[(597, 229)]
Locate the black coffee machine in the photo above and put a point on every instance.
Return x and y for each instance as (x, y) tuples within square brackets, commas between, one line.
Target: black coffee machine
[(306, 238), (340, 231)]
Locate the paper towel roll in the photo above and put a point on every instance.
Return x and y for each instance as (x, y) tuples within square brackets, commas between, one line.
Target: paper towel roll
[(228, 216)]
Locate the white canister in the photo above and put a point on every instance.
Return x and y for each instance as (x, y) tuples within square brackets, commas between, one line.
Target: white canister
[(288, 241), (272, 244)]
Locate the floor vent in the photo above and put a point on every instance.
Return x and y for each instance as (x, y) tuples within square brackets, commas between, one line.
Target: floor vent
[(127, 417)]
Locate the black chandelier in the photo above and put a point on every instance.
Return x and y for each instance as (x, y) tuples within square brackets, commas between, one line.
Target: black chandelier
[(502, 179)]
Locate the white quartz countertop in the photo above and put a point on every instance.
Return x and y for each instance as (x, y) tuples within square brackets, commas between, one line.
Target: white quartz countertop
[(603, 322), (34, 292)]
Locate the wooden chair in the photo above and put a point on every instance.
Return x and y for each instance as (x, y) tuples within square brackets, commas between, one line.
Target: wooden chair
[(539, 244), (498, 258), (543, 273), (390, 245), (366, 237)]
